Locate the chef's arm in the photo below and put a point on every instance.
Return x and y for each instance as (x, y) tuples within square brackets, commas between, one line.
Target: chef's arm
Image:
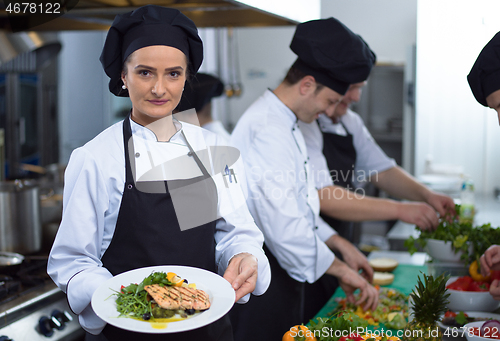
[(340, 203), (350, 280), (351, 255), (400, 184)]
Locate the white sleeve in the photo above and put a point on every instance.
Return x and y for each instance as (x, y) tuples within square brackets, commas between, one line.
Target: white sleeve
[(274, 204), (370, 157), (314, 142), (236, 231), (74, 261), (324, 231)]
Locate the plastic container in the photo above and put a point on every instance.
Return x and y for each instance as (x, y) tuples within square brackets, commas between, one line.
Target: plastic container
[(436, 268), (467, 201)]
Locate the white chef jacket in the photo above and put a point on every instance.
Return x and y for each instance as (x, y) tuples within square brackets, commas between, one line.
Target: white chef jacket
[(94, 183), (282, 197), (218, 128), (370, 158)]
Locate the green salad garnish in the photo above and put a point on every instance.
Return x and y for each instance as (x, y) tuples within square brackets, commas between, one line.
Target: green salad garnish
[(461, 235)]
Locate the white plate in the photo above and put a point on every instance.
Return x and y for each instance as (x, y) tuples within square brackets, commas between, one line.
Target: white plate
[(220, 293), (472, 314)]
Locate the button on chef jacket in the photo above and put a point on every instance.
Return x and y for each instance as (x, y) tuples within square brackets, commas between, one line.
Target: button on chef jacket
[(370, 158), (282, 196), (94, 183)]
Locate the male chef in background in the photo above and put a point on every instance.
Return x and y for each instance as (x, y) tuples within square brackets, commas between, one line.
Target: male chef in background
[(282, 196), (198, 94), (352, 156)]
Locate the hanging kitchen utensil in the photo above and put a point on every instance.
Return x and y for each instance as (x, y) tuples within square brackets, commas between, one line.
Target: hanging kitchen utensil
[(235, 65), (228, 88)]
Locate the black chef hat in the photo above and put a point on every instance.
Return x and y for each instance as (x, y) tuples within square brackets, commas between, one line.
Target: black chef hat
[(146, 26), (332, 54), (484, 77), (200, 91)]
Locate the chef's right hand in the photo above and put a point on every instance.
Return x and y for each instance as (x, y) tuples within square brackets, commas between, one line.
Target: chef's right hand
[(418, 213), (350, 280), (490, 260)]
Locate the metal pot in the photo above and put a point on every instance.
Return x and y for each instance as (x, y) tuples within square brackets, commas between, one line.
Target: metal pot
[(10, 262), (20, 223)]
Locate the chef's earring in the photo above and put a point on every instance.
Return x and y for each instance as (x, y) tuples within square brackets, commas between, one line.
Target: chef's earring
[(124, 87)]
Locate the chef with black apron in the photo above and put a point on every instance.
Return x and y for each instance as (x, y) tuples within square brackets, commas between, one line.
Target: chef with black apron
[(153, 190)]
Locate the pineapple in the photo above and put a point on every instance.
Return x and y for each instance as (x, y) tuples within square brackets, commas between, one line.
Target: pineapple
[(430, 298)]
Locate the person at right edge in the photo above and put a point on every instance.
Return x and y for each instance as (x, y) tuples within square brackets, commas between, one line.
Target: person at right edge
[(484, 81)]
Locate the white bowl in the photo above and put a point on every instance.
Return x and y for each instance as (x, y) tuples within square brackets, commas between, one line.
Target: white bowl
[(470, 300), (442, 251), (471, 337)]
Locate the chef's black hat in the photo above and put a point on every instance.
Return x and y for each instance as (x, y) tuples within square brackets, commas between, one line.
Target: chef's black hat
[(200, 91), (146, 26), (484, 77), (332, 54)]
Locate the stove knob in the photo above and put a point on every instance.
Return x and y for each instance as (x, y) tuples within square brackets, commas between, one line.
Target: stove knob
[(46, 325), (62, 317), (5, 338)]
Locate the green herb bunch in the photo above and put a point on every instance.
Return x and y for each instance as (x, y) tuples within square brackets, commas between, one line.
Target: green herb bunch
[(462, 235), (343, 321), (132, 299)]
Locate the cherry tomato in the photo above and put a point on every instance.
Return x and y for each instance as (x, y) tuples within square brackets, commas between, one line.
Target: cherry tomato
[(450, 313), (461, 284), (479, 286)]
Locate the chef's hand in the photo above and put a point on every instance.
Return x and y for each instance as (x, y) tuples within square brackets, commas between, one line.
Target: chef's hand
[(495, 289), (350, 280), (441, 203), (351, 255), (490, 260), (418, 213), (242, 274)]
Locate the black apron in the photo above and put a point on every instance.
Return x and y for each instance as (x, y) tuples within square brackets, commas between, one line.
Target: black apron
[(271, 315), (340, 156), (147, 233)]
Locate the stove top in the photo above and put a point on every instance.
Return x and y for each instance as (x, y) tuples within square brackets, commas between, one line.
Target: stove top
[(30, 276)]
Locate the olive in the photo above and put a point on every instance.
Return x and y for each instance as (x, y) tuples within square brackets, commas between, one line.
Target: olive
[(190, 311), (146, 316), (186, 281)]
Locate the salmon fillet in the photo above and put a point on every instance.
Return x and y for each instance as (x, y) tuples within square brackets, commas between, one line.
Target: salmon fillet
[(178, 297)]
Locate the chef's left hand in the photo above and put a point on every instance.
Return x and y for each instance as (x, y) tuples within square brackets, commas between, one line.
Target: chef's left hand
[(441, 203), (351, 255), (242, 274)]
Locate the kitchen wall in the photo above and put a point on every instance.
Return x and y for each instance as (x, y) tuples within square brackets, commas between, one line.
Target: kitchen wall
[(451, 127), (82, 87), (265, 55)]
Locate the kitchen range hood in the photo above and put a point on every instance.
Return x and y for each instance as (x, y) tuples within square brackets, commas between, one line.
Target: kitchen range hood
[(99, 14)]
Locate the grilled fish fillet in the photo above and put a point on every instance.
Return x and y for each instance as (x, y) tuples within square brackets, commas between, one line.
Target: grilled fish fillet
[(178, 297)]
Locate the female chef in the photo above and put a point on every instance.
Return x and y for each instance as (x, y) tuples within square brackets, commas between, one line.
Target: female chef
[(148, 191)]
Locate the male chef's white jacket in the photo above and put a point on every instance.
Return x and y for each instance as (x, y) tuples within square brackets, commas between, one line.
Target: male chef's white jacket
[(282, 196), (370, 158), (94, 183)]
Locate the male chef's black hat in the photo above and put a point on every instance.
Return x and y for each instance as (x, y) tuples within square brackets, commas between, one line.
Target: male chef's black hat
[(332, 54), (200, 91), (146, 26), (484, 77)]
